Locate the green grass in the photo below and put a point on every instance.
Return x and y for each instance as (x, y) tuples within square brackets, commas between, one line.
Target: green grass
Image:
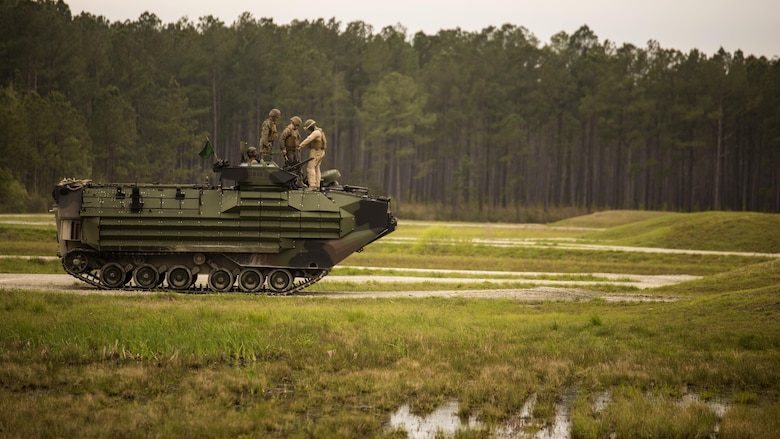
[(718, 231), (27, 239), (32, 265), (474, 212), (231, 365), (747, 278), (545, 259), (31, 218), (463, 230), (371, 286), (313, 367), (352, 271), (634, 414), (611, 218)]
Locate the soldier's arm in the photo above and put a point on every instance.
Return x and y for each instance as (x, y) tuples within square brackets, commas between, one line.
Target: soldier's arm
[(309, 138), (283, 139)]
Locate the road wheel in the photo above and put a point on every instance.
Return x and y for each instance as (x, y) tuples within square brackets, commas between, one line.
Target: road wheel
[(179, 277), (221, 280), (113, 275), (146, 276), (250, 280), (279, 280)]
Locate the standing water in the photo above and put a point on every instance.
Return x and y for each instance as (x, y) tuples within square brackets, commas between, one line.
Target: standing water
[(445, 421)]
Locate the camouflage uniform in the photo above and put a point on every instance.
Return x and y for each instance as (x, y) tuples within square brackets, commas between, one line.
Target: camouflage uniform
[(317, 144), (289, 141), (268, 134)]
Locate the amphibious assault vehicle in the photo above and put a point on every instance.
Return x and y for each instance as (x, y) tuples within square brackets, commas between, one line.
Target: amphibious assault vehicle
[(260, 234)]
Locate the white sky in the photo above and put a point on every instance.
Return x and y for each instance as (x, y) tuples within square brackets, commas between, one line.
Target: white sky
[(752, 26)]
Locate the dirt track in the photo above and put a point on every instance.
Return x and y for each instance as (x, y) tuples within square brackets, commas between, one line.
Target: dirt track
[(535, 293)]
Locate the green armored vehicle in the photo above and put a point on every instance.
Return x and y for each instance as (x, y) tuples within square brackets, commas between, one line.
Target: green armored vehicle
[(260, 234)]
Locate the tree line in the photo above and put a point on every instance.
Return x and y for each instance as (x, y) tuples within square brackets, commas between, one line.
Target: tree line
[(487, 122)]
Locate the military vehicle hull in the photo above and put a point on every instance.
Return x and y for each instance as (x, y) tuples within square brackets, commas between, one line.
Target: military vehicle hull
[(261, 235)]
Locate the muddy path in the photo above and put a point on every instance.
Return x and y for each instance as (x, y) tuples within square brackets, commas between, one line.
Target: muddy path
[(534, 293)]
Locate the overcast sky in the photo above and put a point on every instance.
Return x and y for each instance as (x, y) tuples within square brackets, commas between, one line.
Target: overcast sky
[(752, 26)]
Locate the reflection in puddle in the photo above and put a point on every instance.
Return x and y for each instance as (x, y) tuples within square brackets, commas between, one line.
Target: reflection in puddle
[(715, 406), (518, 425), (602, 401), (562, 425), (445, 421)]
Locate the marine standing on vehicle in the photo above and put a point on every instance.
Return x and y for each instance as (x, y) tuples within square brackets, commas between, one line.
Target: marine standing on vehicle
[(289, 141), (317, 144), (269, 134)]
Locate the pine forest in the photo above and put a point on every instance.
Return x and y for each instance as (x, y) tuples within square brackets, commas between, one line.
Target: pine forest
[(486, 125)]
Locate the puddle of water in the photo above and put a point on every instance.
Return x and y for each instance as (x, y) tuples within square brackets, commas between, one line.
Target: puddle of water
[(715, 406), (602, 401), (444, 420), (517, 425), (561, 427)]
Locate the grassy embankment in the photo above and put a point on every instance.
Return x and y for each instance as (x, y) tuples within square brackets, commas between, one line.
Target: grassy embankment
[(232, 365)]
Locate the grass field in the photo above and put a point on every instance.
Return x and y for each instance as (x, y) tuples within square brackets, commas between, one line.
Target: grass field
[(230, 365)]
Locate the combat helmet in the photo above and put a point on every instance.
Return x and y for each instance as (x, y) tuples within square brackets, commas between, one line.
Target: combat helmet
[(309, 123), (274, 112), (296, 121)]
